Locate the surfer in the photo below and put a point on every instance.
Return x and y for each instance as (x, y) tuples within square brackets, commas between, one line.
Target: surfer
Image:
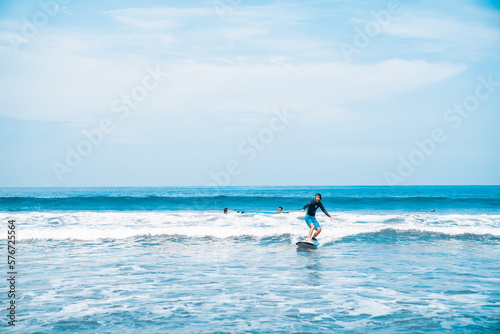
[(225, 211), (280, 209), (310, 218)]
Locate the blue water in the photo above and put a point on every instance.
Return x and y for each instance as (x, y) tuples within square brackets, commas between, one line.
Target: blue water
[(478, 199), (149, 260)]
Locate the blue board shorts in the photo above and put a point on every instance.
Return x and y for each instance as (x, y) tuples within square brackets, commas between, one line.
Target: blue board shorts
[(312, 219)]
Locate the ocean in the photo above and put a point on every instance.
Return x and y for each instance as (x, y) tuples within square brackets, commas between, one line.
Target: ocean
[(167, 260)]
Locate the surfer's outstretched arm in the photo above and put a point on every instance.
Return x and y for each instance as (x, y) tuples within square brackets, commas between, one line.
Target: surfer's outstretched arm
[(324, 210)]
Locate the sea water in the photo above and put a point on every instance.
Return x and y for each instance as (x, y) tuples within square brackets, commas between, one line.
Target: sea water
[(167, 260)]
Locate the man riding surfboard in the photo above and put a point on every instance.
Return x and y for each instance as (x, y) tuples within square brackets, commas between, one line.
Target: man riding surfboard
[(310, 217)]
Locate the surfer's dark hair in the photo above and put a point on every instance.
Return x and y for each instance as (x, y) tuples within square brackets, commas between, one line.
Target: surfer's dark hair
[(318, 194)]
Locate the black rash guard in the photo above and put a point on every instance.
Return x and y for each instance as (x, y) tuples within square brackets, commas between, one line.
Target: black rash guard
[(312, 206)]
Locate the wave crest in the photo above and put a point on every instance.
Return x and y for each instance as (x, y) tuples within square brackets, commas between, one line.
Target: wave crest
[(91, 225)]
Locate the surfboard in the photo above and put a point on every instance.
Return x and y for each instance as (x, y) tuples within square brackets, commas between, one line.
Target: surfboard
[(305, 244)]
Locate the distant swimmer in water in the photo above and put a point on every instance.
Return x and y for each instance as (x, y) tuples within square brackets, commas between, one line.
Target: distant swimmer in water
[(225, 211), (432, 210), (310, 218), (280, 209)]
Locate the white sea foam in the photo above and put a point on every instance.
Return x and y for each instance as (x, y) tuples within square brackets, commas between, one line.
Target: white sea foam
[(93, 225)]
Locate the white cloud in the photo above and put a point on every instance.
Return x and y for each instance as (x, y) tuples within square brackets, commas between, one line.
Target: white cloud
[(158, 17), (230, 14), (465, 38), (75, 88), (418, 25), (307, 87)]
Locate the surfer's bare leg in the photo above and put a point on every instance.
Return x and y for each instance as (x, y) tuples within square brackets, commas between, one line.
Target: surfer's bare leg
[(318, 231), (310, 232)]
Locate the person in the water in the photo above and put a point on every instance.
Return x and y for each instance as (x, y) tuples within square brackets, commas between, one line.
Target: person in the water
[(280, 209), (310, 218)]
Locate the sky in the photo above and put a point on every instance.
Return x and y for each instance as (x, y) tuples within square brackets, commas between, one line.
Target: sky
[(234, 92)]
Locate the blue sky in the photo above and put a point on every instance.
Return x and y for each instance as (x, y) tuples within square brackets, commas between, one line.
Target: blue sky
[(358, 85)]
